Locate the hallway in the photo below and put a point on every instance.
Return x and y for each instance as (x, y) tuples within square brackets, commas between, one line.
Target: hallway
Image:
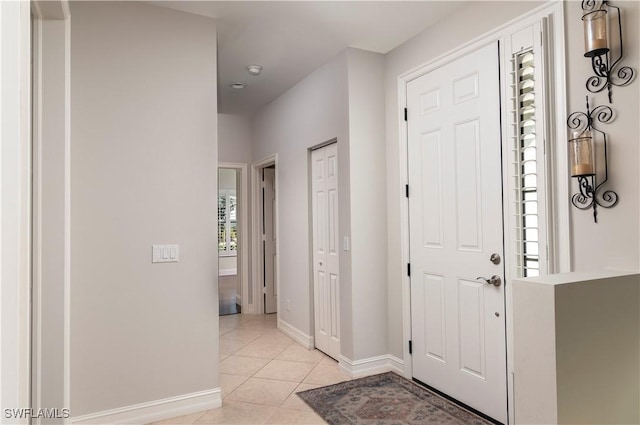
[(261, 369)]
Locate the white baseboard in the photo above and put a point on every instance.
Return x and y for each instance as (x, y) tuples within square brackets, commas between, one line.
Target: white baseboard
[(371, 366), (157, 410), (249, 309), (227, 272), (396, 365), (296, 334)]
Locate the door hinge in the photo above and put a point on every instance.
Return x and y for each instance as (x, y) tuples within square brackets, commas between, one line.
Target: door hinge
[(406, 190), (405, 114), (409, 269), (410, 347)]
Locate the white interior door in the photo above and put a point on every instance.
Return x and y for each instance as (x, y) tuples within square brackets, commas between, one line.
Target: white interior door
[(269, 240), (326, 282), (455, 212)]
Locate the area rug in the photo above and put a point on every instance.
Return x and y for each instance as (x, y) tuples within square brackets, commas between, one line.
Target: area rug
[(385, 399)]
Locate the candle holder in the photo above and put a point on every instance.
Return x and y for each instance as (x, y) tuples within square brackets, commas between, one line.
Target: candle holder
[(599, 48), (582, 159), (581, 154)]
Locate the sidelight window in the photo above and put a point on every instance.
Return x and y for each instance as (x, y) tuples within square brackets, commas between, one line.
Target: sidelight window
[(528, 201)]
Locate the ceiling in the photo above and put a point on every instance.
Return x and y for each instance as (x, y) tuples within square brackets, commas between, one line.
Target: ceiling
[(291, 39)]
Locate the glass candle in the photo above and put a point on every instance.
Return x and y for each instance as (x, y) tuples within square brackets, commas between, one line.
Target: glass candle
[(595, 33), (581, 154)]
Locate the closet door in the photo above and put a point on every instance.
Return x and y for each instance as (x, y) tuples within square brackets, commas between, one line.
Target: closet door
[(326, 281)]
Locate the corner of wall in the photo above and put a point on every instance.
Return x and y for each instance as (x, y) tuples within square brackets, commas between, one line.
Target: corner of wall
[(367, 173)]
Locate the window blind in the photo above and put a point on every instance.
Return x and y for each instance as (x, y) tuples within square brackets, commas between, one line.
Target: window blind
[(525, 165)]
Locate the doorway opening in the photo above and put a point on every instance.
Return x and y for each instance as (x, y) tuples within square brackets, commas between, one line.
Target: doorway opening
[(265, 237), (232, 238), (229, 285)]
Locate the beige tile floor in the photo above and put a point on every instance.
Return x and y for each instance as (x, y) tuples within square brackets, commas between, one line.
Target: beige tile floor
[(261, 370)]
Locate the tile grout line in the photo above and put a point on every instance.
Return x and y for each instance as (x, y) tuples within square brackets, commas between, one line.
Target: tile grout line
[(199, 417), (266, 328)]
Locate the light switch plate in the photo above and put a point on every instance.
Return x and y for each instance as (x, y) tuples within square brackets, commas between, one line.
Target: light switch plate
[(164, 253)]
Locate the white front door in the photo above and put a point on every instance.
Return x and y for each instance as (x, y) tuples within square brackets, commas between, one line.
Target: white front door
[(269, 240), (326, 282), (455, 213)]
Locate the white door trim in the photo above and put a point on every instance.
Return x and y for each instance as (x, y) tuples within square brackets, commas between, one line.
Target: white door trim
[(15, 206), (558, 212), (51, 21), (257, 307), (269, 227), (243, 229)]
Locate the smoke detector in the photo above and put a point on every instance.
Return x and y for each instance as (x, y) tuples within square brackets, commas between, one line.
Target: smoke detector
[(254, 70)]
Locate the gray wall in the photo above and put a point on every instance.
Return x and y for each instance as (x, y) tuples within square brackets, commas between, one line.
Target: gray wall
[(614, 242), (234, 138), (312, 112), (143, 172), (344, 99), (570, 353), (368, 203), (49, 206), (597, 351)]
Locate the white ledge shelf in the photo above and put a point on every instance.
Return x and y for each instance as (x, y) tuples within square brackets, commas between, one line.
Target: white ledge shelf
[(577, 348)]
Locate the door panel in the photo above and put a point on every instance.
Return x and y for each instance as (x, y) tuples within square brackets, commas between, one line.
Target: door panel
[(455, 213), (431, 184), (434, 316), (468, 182), (324, 186), (471, 314)]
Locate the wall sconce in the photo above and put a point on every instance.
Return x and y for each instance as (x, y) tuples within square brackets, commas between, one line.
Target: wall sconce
[(582, 147), (599, 47)]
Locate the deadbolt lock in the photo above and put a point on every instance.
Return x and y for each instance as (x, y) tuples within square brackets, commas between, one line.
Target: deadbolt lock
[(495, 258)]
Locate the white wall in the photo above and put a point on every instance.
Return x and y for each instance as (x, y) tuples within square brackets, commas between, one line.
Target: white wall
[(452, 32), (344, 99), (312, 112), (607, 244), (143, 171), (368, 203), (234, 139)]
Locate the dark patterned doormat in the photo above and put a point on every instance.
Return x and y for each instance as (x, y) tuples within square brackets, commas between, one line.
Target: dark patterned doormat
[(385, 399)]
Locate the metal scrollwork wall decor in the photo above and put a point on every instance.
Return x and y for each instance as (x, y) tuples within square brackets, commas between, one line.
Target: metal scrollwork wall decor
[(600, 48), (582, 147)]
